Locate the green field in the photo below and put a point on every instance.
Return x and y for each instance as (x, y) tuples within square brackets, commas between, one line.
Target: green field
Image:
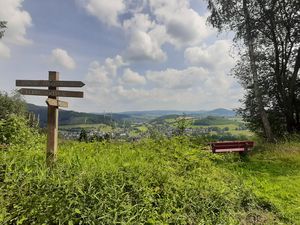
[(163, 181), (101, 126), (232, 129)]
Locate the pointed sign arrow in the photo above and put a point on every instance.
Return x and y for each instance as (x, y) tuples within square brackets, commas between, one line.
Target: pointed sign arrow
[(49, 83), (55, 93), (56, 103)]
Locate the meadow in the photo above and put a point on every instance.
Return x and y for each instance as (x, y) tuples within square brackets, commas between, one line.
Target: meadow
[(153, 181)]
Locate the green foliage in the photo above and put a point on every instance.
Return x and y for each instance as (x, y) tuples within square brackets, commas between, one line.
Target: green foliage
[(14, 127), (155, 133), (170, 181), (250, 114), (13, 104), (14, 130), (182, 123), (2, 27), (83, 135)]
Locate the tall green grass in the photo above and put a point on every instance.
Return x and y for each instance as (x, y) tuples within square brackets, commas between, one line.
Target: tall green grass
[(163, 181)]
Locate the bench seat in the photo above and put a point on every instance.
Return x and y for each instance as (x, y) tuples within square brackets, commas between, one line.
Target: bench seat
[(230, 150)]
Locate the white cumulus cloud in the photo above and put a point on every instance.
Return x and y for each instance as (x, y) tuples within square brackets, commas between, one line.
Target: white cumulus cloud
[(194, 87), (106, 11), (18, 21), (131, 77), (144, 47), (178, 79), (101, 81), (213, 56), (111, 65), (62, 58), (145, 39), (102, 75), (183, 24), (149, 25)]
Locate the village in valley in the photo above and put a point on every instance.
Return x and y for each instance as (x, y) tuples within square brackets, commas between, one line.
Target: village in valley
[(138, 130)]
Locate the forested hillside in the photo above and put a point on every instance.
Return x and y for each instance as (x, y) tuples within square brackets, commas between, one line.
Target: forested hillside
[(71, 117)]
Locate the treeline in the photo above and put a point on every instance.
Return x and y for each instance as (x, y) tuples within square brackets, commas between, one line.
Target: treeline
[(267, 34), (213, 120)]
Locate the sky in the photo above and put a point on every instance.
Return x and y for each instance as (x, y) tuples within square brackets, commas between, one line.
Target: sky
[(132, 55)]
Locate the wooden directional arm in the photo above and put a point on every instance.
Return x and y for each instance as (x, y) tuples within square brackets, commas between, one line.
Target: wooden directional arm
[(50, 92), (48, 83)]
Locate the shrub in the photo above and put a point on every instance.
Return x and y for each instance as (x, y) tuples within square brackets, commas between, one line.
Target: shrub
[(13, 104), (15, 130)]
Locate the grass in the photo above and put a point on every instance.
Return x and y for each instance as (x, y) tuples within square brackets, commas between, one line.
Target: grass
[(246, 133), (163, 181), (274, 176)]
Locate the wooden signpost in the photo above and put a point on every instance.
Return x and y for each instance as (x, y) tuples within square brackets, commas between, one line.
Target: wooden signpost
[(53, 104)]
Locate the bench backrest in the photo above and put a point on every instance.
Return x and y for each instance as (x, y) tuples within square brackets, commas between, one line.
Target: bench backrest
[(232, 144), (229, 146)]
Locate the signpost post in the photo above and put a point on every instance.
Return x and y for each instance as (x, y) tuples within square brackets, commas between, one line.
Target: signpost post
[(53, 83)]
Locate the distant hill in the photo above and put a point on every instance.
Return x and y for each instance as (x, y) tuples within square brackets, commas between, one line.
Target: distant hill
[(221, 112), (71, 117), (67, 117), (158, 113)]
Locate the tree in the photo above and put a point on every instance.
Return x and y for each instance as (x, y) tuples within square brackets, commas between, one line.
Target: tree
[(2, 28), (13, 104), (270, 30), (14, 125), (249, 41), (83, 135), (250, 110), (14, 130), (182, 124), (279, 35)]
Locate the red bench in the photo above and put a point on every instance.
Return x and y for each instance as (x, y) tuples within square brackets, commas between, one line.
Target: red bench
[(231, 146)]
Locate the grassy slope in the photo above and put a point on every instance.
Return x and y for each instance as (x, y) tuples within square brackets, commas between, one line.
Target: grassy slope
[(154, 182), (274, 175)]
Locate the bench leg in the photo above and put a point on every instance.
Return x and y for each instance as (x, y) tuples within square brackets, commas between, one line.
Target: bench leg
[(244, 154)]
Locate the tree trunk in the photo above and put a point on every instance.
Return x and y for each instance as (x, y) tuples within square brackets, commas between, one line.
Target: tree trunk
[(257, 92), (292, 100), (298, 117)]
